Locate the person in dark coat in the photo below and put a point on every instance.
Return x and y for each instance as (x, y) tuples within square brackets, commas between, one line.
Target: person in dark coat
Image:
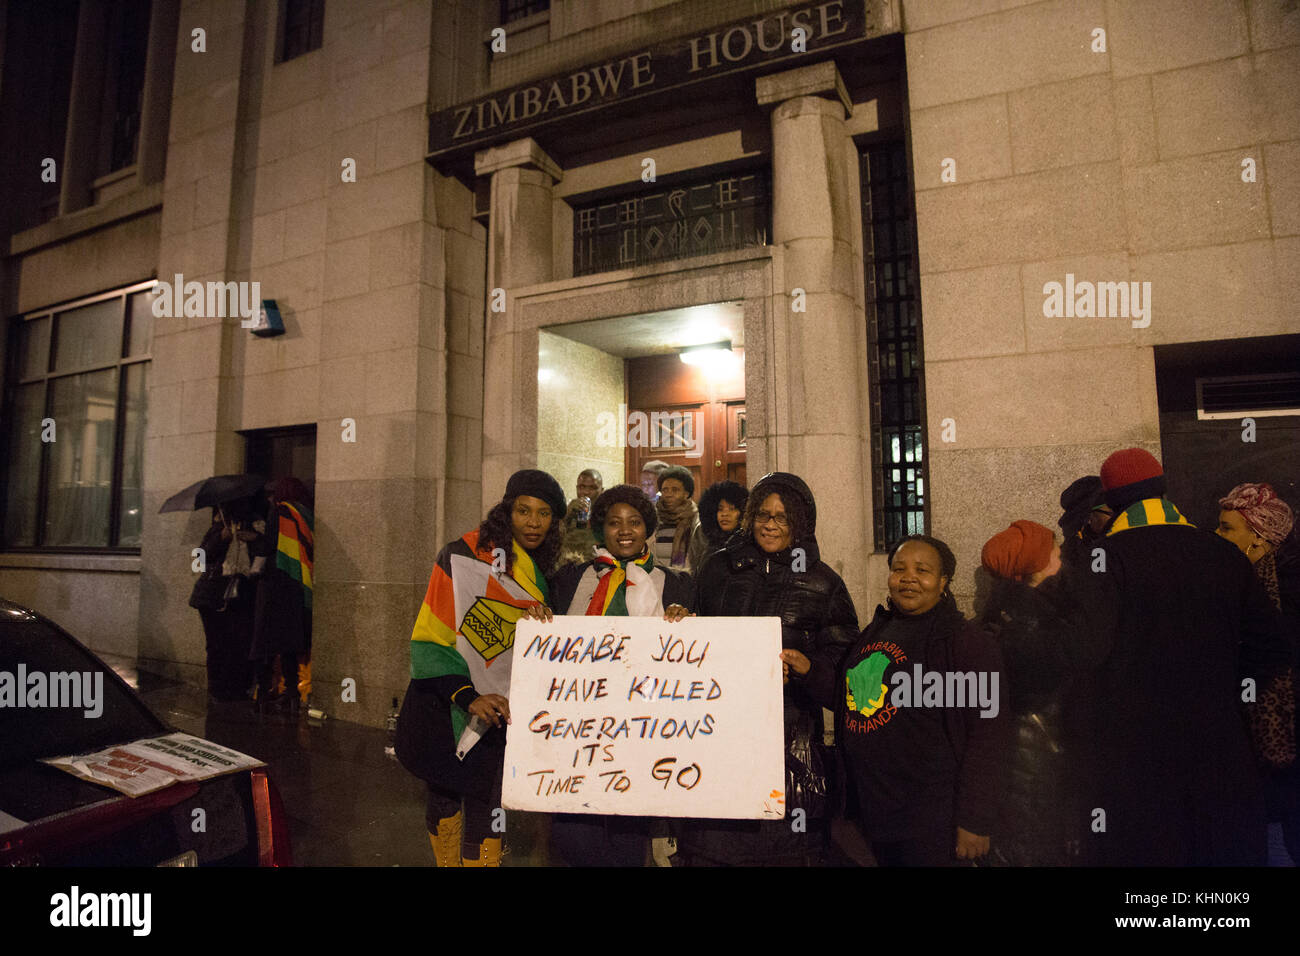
[(228, 618), (1177, 619), (773, 568), (623, 580), (1260, 524), (1039, 820), (927, 767), (282, 615), (1084, 515), (721, 506)]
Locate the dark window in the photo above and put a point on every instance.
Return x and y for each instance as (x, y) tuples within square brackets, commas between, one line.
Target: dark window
[(302, 28), (512, 10), (666, 221), (124, 82), (75, 423), (894, 345)]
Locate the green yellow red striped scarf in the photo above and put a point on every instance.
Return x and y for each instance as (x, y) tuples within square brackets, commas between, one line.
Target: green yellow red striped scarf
[(611, 593), (1147, 512), (295, 545)]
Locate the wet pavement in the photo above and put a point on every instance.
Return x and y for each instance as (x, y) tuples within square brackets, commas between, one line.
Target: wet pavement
[(348, 803)]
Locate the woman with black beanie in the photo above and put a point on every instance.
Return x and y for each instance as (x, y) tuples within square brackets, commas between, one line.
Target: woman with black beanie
[(452, 729)]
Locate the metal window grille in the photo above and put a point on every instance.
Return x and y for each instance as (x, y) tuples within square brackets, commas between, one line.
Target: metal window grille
[(692, 218), (512, 10), (894, 345)]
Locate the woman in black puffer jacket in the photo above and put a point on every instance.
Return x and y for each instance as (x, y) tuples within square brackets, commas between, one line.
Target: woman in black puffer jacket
[(773, 568)]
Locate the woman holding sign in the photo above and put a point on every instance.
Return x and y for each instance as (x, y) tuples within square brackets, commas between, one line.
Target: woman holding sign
[(773, 568), (451, 732), (625, 580)]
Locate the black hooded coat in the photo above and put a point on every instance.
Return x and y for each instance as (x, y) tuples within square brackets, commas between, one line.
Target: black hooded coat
[(818, 619)]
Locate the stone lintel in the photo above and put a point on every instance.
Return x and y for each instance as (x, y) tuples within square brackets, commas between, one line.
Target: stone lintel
[(520, 152), (817, 79)]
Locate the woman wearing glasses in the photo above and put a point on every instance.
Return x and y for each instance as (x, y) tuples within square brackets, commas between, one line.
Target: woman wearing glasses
[(773, 568)]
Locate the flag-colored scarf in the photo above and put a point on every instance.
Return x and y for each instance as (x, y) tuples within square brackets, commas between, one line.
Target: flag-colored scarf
[(466, 625), (1147, 512), (616, 576), (295, 545)]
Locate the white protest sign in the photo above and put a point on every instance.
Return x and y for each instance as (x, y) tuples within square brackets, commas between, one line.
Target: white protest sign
[(637, 716)]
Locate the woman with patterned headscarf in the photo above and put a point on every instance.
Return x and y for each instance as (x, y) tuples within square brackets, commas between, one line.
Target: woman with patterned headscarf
[(1259, 523)]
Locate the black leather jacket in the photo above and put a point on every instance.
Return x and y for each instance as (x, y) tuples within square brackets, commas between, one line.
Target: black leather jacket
[(816, 612)]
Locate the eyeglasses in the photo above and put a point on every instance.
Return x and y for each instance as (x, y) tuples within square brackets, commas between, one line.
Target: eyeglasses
[(763, 517)]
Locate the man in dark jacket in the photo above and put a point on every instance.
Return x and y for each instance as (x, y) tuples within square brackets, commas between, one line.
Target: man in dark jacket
[(1178, 622), (772, 568)]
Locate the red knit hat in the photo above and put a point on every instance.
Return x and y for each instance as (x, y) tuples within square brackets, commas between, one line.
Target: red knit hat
[(1130, 475), (1128, 466), (1019, 551)]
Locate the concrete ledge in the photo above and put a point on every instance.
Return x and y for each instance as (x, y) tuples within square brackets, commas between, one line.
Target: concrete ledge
[(816, 80), (123, 563), (87, 220), (520, 152)]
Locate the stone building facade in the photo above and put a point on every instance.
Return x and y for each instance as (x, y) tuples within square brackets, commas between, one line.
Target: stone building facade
[(432, 300)]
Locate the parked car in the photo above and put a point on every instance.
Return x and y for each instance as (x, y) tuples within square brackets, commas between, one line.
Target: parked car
[(49, 817)]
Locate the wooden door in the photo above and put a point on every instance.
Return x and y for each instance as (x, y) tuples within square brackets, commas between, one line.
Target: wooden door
[(679, 414)]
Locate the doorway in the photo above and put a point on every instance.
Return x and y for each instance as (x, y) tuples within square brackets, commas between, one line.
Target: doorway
[(616, 393), (281, 453), (1229, 413)]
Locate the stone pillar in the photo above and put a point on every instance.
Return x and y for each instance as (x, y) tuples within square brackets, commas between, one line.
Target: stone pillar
[(81, 144), (519, 254), (155, 111), (816, 366)]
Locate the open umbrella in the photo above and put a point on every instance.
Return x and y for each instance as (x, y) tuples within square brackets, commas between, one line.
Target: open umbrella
[(213, 491)]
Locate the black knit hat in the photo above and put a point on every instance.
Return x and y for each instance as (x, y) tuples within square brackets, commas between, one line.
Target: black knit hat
[(1077, 501), (681, 474), (537, 484), (622, 495)]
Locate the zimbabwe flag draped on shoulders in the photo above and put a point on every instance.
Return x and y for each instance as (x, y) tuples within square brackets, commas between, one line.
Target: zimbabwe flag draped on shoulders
[(465, 631), (294, 545)]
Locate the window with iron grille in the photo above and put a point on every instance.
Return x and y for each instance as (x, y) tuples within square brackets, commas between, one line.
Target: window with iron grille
[(894, 345), (74, 423), (302, 28), (671, 221), (512, 10)]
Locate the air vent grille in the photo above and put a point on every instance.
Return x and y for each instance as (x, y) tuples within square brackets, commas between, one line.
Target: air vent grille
[(1238, 396)]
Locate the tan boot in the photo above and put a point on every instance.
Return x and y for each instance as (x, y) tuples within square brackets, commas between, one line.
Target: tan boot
[(489, 854), (446, 841)]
